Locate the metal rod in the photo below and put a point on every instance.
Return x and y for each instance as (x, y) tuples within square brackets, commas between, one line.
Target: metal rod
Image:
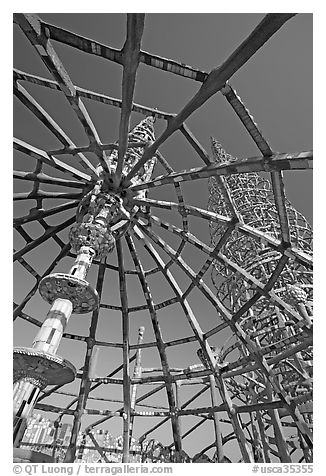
[(125, 353), (136, 374), (130, 58), (217, 428)]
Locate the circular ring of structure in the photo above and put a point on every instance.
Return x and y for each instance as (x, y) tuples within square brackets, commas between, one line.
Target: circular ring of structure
[(65, 286), (53, 369)]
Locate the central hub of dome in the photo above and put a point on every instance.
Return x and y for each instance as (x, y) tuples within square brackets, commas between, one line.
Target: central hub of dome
[(99, 221), (139, 138), (102, 215)]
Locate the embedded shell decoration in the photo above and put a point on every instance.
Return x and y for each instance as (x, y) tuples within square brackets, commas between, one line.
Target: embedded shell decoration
[(65, 286), (53, 368)]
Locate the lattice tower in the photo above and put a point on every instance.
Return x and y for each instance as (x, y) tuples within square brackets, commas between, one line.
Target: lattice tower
[(252, 394)]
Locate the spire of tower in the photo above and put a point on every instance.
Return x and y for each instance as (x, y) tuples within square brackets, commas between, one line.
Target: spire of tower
[(219, 154), (143, 131), (253, 198)]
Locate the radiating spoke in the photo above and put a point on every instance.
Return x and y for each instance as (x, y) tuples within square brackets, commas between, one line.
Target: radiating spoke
[(159, 340), (94, 47), (302, 426), (203, 343), (31, 26), (277, 162), (85, 382), (247, 120), (292, 252), (94, 96), (224, 260), (63, 252), (125, 353), (37, 214), (279, 197), (130, 55), (44, 178), (49, 233), (218, 77), (47, 120), (42, 194), (49, 160)]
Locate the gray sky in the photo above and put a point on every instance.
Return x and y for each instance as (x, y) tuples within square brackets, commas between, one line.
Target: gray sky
[(275, 85)]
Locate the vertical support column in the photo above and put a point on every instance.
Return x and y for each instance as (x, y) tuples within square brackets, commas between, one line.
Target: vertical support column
[(178, 406), (263, 438), (234, 419), (260, 434), (50, 334), (306, 451), (277, 426), (93, 363), (91, 235), (244, 447), (257, 446), (56, 425), (125, 351), (217, 428), (29, 384), (83, 262), (28, 387), (81, 448), (85, 383), (136, 374), (82, 399), (26, 391), (19, 429)]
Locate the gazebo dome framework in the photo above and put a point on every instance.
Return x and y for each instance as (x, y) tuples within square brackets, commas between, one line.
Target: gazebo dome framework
[(259, 256)]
